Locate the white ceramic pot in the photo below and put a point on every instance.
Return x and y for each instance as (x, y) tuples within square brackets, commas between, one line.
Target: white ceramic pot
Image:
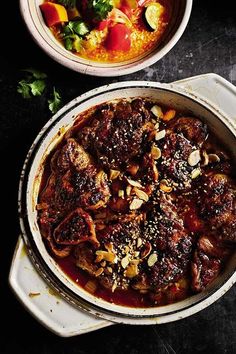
[(166, 94), (44, 38)]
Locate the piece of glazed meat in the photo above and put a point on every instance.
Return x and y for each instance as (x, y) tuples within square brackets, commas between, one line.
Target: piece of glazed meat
[(191, 128), (174, 164), (217, 198), (204, 270), (116, 134), (183, 136), (77, 227), (87, 189), (208, 259), (72, 155), (165, 230), (75, 180)]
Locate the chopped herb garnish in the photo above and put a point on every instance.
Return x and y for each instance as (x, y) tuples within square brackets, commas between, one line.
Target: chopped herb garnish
[(24, 89), (33, 85), (36, 73), (37, 87), (79, 27), (54, 103), (100, 8), (73, 33)]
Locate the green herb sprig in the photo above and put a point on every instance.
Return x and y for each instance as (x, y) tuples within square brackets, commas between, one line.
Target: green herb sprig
[(100, 8), (34, 84), (73, 34)]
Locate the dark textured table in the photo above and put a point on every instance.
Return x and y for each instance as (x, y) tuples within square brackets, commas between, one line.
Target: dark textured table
[(208, 45)]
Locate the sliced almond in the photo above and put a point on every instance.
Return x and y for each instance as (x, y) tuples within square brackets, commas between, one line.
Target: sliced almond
[(160, 135), (213, 158), (128, 190), (194, 158), (139, 242), (165, 187), (114, 174), (195, 173), (126, 249), (156, 126), (110, 270), (121, 193), (152, 259), (136, 204), (146, 250), (106, 256), (157, 111), (134, 183), (141, 194), (114, 286), (125, 261), (136, 253), (131, 271), (205, 158), (155, 172), (99, 272), (155, 152)]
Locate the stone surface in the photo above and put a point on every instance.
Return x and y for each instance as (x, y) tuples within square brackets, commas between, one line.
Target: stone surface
[(208, 45)]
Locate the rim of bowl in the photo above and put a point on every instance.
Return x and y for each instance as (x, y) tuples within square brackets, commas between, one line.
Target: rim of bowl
[(83, 66), (83, 299)]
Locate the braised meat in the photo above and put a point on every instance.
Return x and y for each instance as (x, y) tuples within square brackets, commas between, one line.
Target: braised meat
[(75, 182), (140, 202), (116, 135), (208, 258), (218, 205), (71, 155), (191, 128), (181, 142), (204, 270), (173, 245), (77, 227)]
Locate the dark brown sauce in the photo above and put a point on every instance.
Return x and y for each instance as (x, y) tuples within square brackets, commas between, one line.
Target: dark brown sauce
[(130, 297)]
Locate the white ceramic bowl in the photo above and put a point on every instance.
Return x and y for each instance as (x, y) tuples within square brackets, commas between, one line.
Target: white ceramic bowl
[(167, 94), (43, 37)]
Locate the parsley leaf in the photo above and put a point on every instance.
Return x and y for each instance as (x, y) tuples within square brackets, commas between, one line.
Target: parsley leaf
[(67, 3), (79, 27), (100, 8), (73, 33), (37, 87), (54, 103), (36, 73), (24, 89), (34, 83)]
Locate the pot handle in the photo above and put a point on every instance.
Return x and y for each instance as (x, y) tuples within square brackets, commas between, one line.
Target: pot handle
[(43, 303)]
